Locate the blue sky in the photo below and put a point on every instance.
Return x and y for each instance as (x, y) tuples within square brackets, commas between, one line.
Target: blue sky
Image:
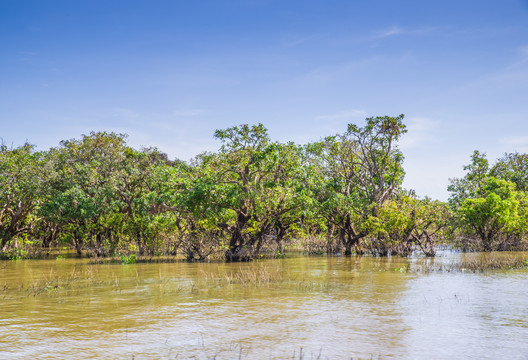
[(168, 73)]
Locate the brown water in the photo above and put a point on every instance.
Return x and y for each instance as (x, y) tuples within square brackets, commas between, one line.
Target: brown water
[(335, 308)]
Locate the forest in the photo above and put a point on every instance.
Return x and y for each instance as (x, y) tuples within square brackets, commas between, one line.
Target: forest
[(252, 197)]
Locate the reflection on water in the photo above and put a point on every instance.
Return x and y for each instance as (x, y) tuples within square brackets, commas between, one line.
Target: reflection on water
[(325, 307)]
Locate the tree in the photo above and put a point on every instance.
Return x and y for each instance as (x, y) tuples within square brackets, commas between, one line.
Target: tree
[(20, 184), (477, 173), (359, 171), (512, 167), (407, 223), (281, 197), (487, 203), (256, 186), (190, 193), (495, 212), (82, 187), (138, 189)]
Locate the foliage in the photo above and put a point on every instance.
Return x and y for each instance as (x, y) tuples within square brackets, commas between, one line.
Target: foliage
[(253, 196), (494, 213), (358, 172), (407, 223), (257, 185), (20, 184), (464, 188), (488, 205), (512, 167)]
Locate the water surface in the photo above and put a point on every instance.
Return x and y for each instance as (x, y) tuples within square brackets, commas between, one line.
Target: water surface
[(324, 307)]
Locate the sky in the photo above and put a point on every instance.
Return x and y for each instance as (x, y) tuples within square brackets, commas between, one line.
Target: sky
[(168, 73)]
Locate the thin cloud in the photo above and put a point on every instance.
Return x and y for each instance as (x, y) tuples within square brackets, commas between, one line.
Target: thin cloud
[(329, 73), (524, 51), (514, 73), (124, 113), (419, 132), (342, 115), (339, 71), (375, 36), (335, 123), (188, 112), (523, 56), (395, 30), (518, 143), (293, 41)]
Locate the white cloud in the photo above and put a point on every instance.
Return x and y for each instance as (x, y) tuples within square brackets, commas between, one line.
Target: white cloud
[(188, 112), (516, 140), (516, 73), (395, 30), (419, 131), (334, 72), (431, 178), (523, 54), (293, 40), (339, 72), (333, 123), (517, 143), (342, 115), (124, 113)]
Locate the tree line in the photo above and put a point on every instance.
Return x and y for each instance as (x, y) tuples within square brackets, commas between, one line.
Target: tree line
[(254, 196)]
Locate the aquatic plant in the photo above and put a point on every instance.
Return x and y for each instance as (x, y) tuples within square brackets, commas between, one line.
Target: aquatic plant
[(131, 259)]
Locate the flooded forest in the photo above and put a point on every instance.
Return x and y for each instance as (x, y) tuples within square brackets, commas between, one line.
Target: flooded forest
[(253, 197), (260, 249)]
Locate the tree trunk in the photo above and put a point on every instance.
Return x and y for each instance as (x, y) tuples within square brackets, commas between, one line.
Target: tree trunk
[(236, 243), (5, 240), (281, 231), (352, 241)]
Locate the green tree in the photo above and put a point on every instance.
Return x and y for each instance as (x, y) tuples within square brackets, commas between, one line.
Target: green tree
[(512, 167), (189, 193), (407, 223), (138, 189), (256, 187), (82, 188), (20, 187), (495, 212), (477, 172), (490, 202), (359, 171), (282, 197)]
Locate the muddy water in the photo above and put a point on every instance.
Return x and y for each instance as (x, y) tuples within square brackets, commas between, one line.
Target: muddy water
[(304, 307)]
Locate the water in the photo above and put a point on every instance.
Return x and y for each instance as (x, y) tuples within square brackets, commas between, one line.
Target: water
[(303, 307)]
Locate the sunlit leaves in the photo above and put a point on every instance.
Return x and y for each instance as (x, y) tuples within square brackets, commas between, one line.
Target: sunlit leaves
[(357, 172), (20, 187)]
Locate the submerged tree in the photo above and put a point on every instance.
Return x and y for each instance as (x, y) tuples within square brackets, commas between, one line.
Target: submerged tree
[(496, 213), (253, 195), (490, 208), (512, 167), (82, 188), (477, 173), (256, 184), (359, 171), (20, 190), (407, 223)]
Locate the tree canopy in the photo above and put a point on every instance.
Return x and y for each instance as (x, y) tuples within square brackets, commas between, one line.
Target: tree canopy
[(253, 196)]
